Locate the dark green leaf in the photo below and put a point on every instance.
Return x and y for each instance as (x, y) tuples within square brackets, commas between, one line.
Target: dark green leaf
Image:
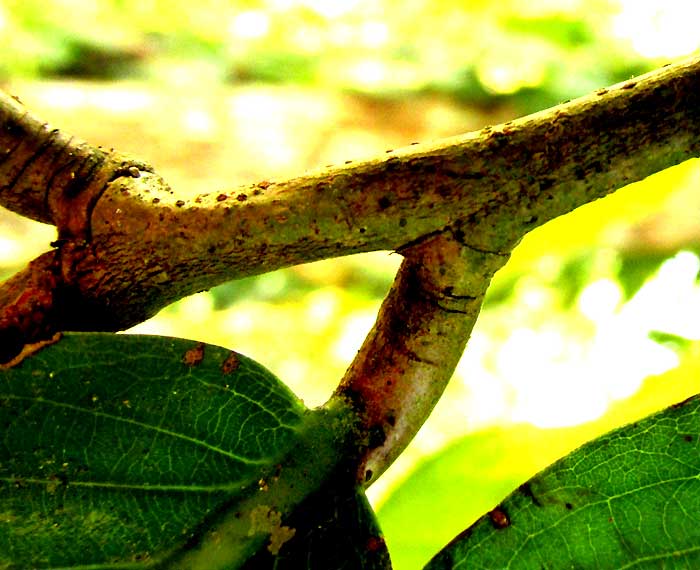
[(115, 449), (630, 499)]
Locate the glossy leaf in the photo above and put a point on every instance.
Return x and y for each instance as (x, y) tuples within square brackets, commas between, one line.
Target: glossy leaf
[(630, 499), (116, 449)]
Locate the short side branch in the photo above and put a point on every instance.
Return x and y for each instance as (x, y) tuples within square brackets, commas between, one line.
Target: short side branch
[(409, 356)]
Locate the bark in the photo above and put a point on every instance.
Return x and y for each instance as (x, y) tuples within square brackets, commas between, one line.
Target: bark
[(408, 358), (145, 248), (127, 246)]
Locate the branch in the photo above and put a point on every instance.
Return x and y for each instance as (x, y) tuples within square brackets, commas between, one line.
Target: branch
[(455, 209), (51, 177), (408, 358), (132, 247)]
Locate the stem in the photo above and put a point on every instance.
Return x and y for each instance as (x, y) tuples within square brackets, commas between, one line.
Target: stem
[(51, 177), (535, 168), (128, 247), (408, 358)]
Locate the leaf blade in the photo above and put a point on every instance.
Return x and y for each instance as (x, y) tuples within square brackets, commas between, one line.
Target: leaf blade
[(628, 499), (115, 448)]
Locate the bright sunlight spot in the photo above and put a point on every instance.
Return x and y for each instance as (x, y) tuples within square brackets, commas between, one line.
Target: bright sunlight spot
[(353, 334), (507, 76), (259, 117), (600, 299), (197, 122), (331, 8), (323, 306), (369, 72), (669, 313), (374, 34), (8, 250), (121, 100), (668, 28), (562, 372), (197, 308), (65, 97), (308, 39), (250, 25)]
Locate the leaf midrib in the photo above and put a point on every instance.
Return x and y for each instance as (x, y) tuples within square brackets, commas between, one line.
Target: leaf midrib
[(167, 432)]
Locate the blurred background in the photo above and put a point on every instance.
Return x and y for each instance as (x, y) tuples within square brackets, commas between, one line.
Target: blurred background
[(592, 324)]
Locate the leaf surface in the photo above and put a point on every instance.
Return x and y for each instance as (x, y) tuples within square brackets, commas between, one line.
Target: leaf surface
[(630, 499), (116, 449)]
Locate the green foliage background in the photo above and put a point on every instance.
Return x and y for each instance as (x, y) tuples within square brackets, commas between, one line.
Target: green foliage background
[(626, 264)]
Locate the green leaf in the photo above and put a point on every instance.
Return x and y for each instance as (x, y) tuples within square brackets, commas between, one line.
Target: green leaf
[(309, 510), (630, 499), (117, 449)]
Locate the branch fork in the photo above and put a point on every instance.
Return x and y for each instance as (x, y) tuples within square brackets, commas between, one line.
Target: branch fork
[(127, 246)]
